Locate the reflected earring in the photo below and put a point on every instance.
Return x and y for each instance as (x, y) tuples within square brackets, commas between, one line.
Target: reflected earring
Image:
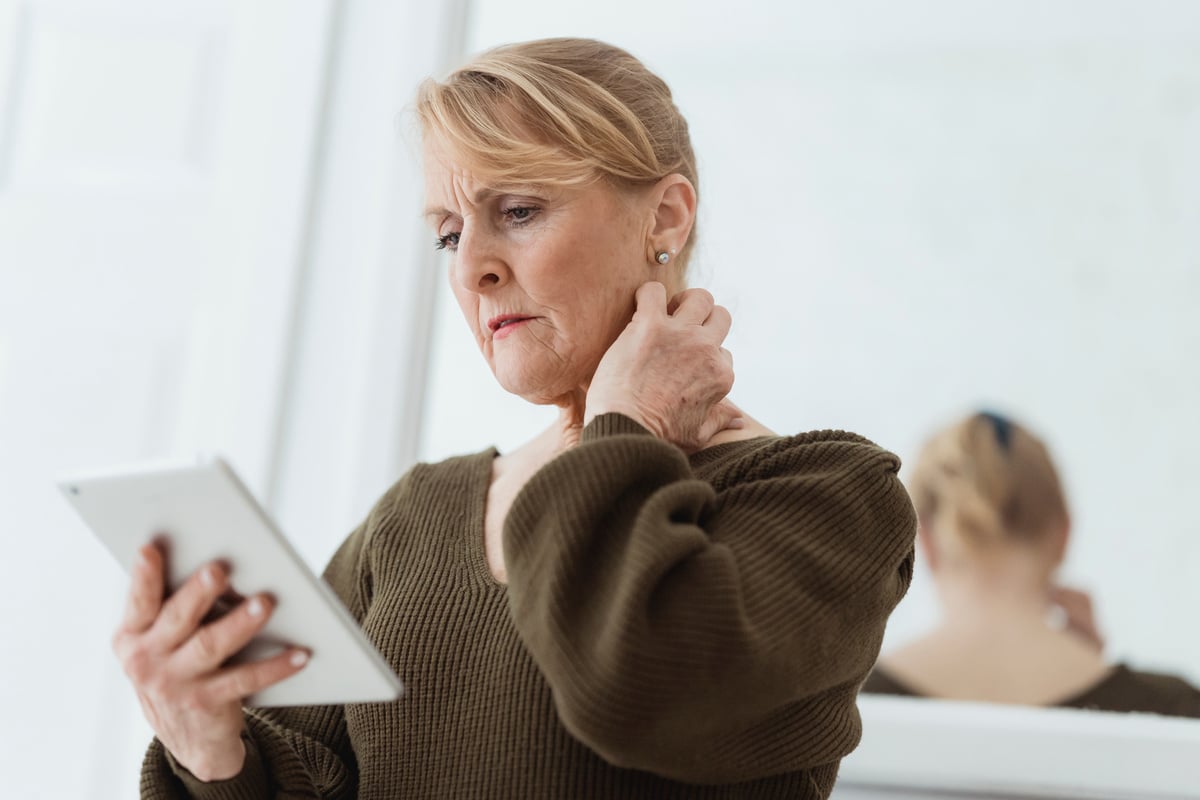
[(662, 256)]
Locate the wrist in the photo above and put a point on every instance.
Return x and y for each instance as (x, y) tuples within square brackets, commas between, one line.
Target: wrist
[(217, 766), (597, 407)]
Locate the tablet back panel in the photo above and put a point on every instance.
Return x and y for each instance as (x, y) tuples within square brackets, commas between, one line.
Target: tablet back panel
[(202, 512)]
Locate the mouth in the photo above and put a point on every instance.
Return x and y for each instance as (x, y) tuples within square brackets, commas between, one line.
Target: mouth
[(505, 324)]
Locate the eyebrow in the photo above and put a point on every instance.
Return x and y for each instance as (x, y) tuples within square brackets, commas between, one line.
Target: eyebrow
[(483, 195), (480, 196)]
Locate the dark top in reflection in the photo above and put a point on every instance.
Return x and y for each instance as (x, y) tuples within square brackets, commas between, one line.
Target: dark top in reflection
[(1123, 689)]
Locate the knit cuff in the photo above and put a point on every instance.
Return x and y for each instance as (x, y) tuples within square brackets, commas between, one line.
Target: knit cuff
[(249, 784), (613, 424)]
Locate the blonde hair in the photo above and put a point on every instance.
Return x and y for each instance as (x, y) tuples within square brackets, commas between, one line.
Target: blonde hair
[(986, 480), (560, 112)]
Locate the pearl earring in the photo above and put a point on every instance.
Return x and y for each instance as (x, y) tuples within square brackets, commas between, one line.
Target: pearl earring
[(662, 256)]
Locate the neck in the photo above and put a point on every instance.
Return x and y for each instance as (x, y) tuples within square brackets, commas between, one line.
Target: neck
[(564, 433), (993, 606), (568, 428)]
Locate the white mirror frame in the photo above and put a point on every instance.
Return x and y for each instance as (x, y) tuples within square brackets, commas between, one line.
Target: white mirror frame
[(921, 748)]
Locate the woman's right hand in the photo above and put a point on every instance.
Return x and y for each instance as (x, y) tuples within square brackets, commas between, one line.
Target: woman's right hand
[(1076, 606), (667, 370), (174, 661)]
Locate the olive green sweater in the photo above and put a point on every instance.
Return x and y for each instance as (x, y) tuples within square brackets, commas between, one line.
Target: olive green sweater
[(672, 627)]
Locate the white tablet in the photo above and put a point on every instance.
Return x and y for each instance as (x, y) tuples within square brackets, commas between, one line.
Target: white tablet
[(201, 512)]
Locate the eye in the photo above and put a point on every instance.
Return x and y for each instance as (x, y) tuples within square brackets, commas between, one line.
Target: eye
[(447, 242), (517, 215)]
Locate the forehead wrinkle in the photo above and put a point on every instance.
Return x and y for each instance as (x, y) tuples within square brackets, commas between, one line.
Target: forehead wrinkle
[(468, 191)]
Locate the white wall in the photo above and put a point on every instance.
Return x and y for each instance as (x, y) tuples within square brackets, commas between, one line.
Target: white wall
[(196, 253), (152, 171), (915, 209)]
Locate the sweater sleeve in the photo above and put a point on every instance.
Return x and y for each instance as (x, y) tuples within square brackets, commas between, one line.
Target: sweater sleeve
[(302, 751), (709, 632)]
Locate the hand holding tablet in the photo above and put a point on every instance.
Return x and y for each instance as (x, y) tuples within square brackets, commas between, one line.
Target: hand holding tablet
[(175, 662), (202, 516), (194, 648)]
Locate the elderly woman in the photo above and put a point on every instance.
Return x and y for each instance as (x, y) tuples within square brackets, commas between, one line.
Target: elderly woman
[(994, 529), (656, 597)]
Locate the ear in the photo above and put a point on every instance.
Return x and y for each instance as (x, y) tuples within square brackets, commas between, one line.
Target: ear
[(673, 202)]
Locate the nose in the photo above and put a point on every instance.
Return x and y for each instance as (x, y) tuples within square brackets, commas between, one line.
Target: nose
[(479, 263)]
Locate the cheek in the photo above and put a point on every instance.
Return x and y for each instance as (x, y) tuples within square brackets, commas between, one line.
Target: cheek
[(593, 271), (468, 304), (602, 276)]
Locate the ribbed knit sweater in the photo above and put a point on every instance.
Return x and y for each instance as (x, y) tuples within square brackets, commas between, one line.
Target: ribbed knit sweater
[(672, 627)]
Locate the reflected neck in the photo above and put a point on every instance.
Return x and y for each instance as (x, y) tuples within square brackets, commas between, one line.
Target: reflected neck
[(979, 606)]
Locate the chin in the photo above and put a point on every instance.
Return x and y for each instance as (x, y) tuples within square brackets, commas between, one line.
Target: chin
[(538, 389)]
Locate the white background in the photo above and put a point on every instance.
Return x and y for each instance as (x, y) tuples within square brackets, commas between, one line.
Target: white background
[(209, 240)]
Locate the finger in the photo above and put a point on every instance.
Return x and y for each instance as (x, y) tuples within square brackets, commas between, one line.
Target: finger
[(238, 683), (1071, 599), (183, 610), (719, 322), (651, 298), (727, 402), (145, 590), (212, 644), (720, 417), (673, 305), (728, 416), (694, 306)]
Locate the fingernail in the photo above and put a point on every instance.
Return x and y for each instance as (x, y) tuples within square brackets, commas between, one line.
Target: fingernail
[(208, 577), (737, 423), (255, 607), (299, 658)]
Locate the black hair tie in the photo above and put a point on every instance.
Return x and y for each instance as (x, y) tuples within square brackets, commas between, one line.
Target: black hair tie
[(1001, 426)]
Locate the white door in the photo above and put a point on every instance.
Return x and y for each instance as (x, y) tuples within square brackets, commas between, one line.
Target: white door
[(155, 166)]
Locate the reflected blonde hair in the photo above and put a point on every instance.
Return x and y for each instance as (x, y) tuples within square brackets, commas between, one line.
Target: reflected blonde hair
[(985, 481), (560, 112)]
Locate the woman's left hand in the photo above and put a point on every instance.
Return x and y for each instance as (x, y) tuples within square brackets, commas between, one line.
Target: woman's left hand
[(667, 370)]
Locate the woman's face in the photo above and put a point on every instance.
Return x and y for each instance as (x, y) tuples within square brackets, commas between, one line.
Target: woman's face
[(544, 276)]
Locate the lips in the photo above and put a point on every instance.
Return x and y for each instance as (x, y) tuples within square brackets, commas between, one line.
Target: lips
[(497, 324)]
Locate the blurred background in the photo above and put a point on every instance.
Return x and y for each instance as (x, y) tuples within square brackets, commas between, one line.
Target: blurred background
[(210, 240)]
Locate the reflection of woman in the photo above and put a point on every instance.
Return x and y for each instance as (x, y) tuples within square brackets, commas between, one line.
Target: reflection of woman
[(993, 524), (656, 597)]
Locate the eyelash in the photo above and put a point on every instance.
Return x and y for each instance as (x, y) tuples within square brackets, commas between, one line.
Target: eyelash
[(450, 240), (508, 212)]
